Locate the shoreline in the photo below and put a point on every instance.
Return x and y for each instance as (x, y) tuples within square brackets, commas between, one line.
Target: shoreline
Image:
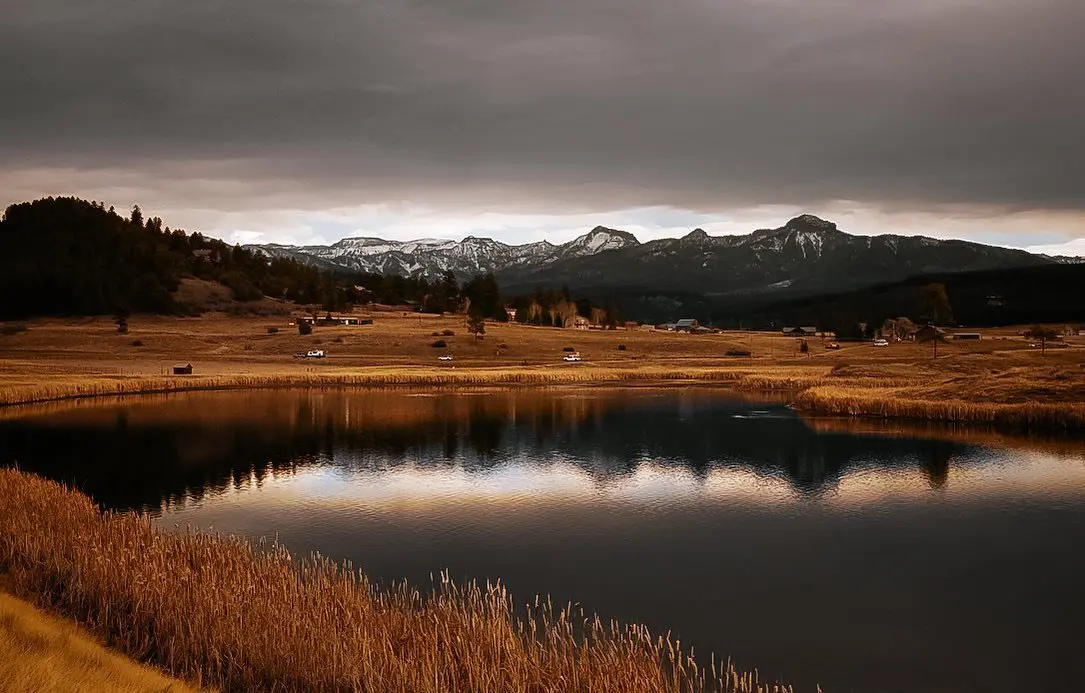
[(999, 381), (817, 395), (94, 386)]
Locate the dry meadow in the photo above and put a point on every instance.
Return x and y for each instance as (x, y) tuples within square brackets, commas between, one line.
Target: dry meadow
[(997, 380)]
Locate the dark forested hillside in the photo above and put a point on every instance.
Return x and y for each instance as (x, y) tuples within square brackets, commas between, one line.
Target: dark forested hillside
[(66, 256), (1049, 293), (1013, 296)]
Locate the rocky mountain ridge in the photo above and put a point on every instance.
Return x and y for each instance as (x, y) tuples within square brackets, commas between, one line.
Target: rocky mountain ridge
[(806, 254)]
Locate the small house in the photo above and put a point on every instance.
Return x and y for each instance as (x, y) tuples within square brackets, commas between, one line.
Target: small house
[(686, 325), (800, 331), (510, 313), (183, 370), (581, 323), (929, 333), (631, 324)]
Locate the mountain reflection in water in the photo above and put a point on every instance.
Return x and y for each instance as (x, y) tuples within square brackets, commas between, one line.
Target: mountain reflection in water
[(144, 453)]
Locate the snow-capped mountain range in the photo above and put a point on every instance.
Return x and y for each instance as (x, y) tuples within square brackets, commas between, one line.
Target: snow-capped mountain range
[(433, 257), (807, 253)]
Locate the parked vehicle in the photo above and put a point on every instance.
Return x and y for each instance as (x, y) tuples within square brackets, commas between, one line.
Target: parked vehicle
[(832, 345), (571, 357), (881, 342), (446, 357), (315, 354)]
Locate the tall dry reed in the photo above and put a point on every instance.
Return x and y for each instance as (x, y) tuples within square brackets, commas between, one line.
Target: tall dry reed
[(220, 612)]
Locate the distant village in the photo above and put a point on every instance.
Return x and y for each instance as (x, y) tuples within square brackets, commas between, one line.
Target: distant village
[(893, 330)]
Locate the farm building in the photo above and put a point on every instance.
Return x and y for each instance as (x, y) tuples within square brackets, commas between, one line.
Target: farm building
[(805, 331), (183, 370), (581, 323), (333, 320), (967, 336), (928, 333), (686, 325)]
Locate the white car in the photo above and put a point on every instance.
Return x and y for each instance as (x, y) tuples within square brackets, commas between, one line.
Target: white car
[(571, 357), (315, 354), (446, 357), (881, 342)]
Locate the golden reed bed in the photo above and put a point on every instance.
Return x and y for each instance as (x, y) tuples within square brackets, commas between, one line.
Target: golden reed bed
[(54, 388), (220, 612), (1050, 417)]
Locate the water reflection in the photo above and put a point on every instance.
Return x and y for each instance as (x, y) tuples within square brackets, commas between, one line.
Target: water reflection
[(146, 453), (879, 558)]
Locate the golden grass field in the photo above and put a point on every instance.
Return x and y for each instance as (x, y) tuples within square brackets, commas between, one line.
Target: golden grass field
[(998, 380), (40, 653), (220, 612)]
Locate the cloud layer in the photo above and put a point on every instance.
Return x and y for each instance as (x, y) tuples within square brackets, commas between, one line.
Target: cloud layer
[(564, 106)]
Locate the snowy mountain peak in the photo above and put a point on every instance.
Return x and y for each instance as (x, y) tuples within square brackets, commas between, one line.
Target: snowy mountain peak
[(809, 222), (598, 240)]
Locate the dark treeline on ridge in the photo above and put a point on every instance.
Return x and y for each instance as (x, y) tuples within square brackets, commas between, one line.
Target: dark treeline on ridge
[(1015, 296), (67, 256)]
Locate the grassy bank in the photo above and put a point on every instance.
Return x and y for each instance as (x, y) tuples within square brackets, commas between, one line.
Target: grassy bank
[(996, 381), (219, 612), (889, 403), (1000, 391), (39, 652), (60, 388)]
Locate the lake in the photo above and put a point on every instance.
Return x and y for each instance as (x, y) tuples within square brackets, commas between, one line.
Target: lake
[(863, 557)]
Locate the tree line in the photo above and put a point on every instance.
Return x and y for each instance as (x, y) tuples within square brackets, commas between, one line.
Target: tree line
[(68, 256)]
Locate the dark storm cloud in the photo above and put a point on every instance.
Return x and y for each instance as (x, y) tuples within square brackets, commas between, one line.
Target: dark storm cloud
[(695, 103)]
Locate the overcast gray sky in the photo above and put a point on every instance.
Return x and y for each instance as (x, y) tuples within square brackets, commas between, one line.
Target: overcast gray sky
[(308, 120)]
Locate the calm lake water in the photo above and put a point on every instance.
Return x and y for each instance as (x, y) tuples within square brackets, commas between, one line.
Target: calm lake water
[(865, 559)]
